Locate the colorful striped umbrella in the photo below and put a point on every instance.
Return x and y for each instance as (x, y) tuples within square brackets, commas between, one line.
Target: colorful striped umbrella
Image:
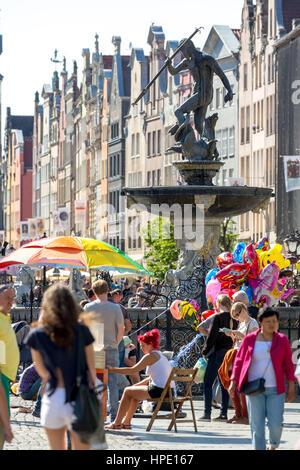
[(73, 252)]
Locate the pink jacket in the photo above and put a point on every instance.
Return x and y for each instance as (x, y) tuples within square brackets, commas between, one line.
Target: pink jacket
[(281, 355)]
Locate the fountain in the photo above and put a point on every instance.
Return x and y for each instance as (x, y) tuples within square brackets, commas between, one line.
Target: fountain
[(199, 166)]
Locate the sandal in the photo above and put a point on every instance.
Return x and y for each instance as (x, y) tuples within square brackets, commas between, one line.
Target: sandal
[(113, 426), (126, 426)]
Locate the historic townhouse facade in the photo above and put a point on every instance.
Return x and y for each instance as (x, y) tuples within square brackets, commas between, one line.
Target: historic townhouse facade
[(223, 44), (148, 158), (288, 124), (45, 156), (262, 24), (102, 188), (18, 174), (119, 104)]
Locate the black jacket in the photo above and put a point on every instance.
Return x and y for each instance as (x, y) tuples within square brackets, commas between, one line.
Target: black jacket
[(218, 340)]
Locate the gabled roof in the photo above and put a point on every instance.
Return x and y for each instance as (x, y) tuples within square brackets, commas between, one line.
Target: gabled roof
[(137, 54), (121, 63), (47, 90), (221, 42), (155, 33)]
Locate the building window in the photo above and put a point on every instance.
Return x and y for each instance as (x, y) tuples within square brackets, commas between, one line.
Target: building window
[(148, 178), (245, 77), (224, 146), (133, 145), (218, 98), (153, 178), (137, 144), (154, 143), (149, 144), (231, 142), (242, 126), (158, 177), (248, 125), (158, 142), (114, 131)]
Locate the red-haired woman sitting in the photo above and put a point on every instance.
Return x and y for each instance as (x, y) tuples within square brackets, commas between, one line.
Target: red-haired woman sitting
[(158, 370)]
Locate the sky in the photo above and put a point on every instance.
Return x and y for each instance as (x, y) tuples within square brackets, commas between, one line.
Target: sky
[(33, 29)]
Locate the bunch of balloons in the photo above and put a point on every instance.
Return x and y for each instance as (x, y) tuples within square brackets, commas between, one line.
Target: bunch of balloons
[(254, 269), (186, 310)]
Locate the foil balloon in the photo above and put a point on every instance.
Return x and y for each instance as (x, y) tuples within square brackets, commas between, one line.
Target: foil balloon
[(213, 289), (274, 255), (235, 273), (251, 257), (174, 309), (264, 286), (189, 314), (229, 292), (238, 252), (212, 274), (224, 259), (249, 291), (206, 314), (262, 245)]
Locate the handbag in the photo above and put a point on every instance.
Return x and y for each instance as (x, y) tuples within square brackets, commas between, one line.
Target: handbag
[(254, 387), (257, 386), (87, 410)]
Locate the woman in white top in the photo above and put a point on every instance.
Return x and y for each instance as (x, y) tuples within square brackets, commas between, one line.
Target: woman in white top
[(158, 369), (239, 312), (247, 324)]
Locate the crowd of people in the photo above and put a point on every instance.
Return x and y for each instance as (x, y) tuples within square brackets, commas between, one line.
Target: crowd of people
[(242, 348)]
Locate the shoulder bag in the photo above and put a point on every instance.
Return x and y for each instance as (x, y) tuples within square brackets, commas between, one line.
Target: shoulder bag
[(87, 411), (255, 387)]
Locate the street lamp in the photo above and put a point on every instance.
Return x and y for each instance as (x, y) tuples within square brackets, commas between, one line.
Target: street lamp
[(292, 243)]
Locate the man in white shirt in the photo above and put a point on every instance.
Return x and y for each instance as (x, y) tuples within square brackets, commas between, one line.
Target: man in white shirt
[(110, 314)]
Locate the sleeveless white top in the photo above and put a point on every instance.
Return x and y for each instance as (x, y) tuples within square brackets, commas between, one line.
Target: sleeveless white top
[(160, 371), (261, 366)]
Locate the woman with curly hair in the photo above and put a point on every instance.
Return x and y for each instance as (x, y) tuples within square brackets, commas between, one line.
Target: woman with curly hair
[(54, 347), (158, 371)]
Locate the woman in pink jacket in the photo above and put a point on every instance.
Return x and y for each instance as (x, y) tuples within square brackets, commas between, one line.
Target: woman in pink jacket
[(265, 354)]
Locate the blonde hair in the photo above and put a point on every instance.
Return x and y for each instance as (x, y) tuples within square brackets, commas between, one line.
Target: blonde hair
[(237, 307), (224, 301)]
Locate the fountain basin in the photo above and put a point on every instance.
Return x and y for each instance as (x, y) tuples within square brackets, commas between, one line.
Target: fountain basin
[(219, 201)]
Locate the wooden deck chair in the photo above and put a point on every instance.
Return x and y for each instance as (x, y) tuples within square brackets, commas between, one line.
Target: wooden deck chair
[(176, 375)]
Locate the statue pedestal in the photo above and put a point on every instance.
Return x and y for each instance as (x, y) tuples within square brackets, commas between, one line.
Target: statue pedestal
[(198, 173)]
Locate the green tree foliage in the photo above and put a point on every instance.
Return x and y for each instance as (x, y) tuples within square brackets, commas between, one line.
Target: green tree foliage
[(162, 253), (228, 237)]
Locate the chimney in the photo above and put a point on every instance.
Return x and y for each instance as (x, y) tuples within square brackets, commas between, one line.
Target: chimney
[(116, 40), (86, 58), (295, 23)]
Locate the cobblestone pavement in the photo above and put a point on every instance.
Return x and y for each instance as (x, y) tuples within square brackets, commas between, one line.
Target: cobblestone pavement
[(29, 435)]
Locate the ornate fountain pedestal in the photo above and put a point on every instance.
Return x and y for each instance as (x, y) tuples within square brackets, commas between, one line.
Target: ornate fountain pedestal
[(198, 173)]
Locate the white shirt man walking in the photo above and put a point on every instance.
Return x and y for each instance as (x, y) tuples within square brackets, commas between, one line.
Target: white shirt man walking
[(111, 316)]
